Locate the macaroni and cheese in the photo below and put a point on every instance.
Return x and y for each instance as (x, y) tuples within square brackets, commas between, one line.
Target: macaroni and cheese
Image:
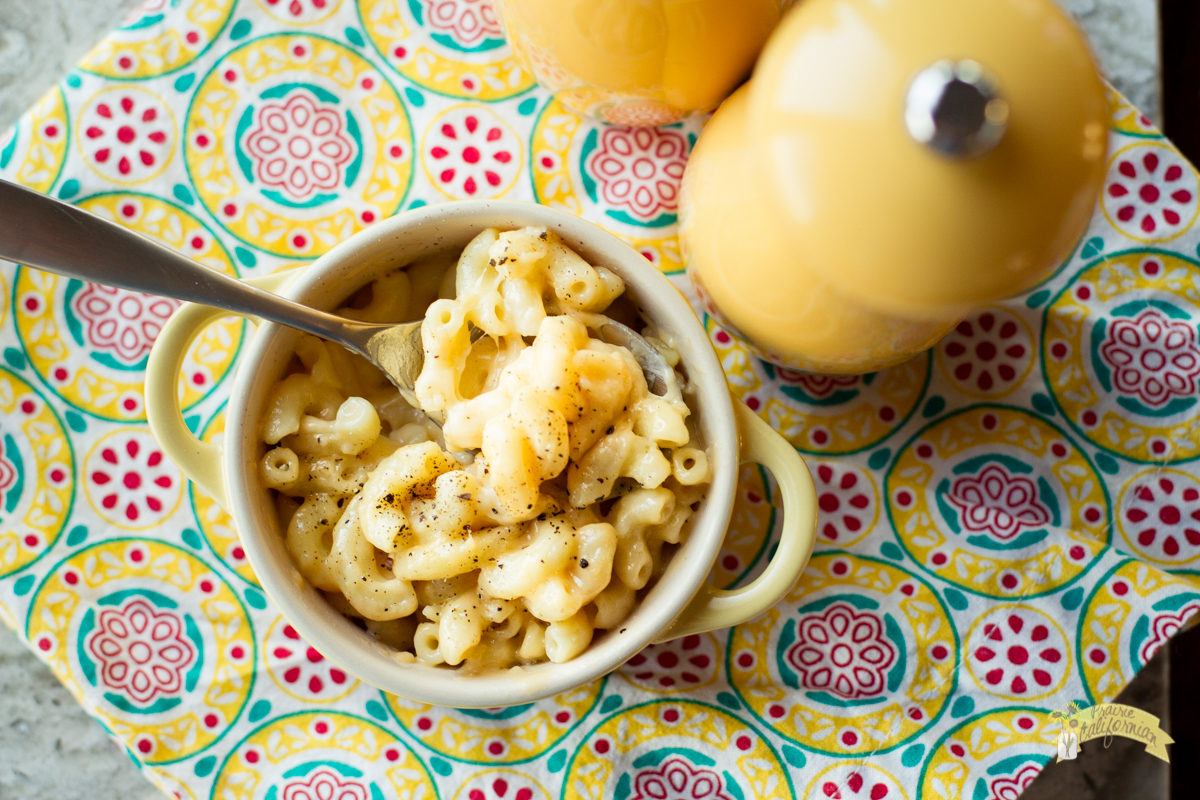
[(551, 494)]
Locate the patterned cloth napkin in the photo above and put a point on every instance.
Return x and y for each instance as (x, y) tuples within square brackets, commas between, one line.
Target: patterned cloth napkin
[(1008, 523)]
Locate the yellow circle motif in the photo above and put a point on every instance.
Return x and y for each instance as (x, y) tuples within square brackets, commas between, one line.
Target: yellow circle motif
[(295, 143), (495, 784), (322, 755), (854, 779), (300, 12), (1150, 192), (497, 735), (1126, 372), (750, 528), (97, 607), (1129, 616), (34, 150), (822, 414), (1159, 517), (588, 169), (90, 343), (37, 474), (300, 670), (974, 495), (462, 54), (987, 355), (872, 697), (216, 525), (129, 482), (691, 747), (144, 47), (1018, 653), (126, 134), (997, 754)]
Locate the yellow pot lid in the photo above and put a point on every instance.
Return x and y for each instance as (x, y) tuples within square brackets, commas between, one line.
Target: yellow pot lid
[(929, 154)]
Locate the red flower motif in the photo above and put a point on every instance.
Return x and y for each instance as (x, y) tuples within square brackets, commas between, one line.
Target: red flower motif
[(816, 385), (846, 501), (1010, 787), (132, 480), (1017, 652), (127, 136), (1165, 510), (1153, 357), (1150, 192), (302, 667), (1163, 627), (467, 21), (998, 503), (842, 651), (141, 651), (299, 146), (324, 784), (677, 779), (639, 169), (471, 154), (988, 352), (121, 322), (678, 664)]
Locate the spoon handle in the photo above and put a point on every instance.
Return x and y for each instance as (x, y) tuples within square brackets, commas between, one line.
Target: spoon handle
[(41, 232)]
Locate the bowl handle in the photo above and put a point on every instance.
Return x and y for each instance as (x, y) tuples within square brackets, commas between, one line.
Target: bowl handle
[(199, 461), (719, 608)]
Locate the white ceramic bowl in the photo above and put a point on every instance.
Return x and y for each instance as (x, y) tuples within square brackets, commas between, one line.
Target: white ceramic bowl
[(679, 604)]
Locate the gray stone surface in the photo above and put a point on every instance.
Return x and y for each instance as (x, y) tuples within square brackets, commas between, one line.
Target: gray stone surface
[(50, 750)]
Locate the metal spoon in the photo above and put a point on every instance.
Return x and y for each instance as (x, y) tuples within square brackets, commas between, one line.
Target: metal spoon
[(50, 235)]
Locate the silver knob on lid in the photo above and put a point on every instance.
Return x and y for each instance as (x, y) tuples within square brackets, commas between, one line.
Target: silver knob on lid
[(955, 108)]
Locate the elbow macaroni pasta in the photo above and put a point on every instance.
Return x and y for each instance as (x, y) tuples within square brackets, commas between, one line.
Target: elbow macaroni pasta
[(581, 478)]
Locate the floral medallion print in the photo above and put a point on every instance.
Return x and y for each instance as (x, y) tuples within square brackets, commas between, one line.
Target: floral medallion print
[(975, 496), (37, 474), (1159, 517), (855, 780), (1121, 357), (843, 652), (140, 652), (159, 38), (89, 344), (299, 146), (300, 12), (294, 143), (668, 750), (823, 415), (127, 135), (322, 756), (991, 756), (601, 173), (1018, 653), (676, 666), (121, 322), (1150, 192), (1126, 619), (497, 735), (1152, 357), (453, 48), (469, 153), (300, 670), (34, 151), (998, 503), (129, 482), (848, 502), (988, 354), (154, 642), (859, 658), (636, 172), (468, 22), (501, 784)]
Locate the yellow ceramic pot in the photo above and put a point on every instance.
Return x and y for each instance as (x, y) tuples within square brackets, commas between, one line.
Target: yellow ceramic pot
[(639, 62), (890, 166)]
